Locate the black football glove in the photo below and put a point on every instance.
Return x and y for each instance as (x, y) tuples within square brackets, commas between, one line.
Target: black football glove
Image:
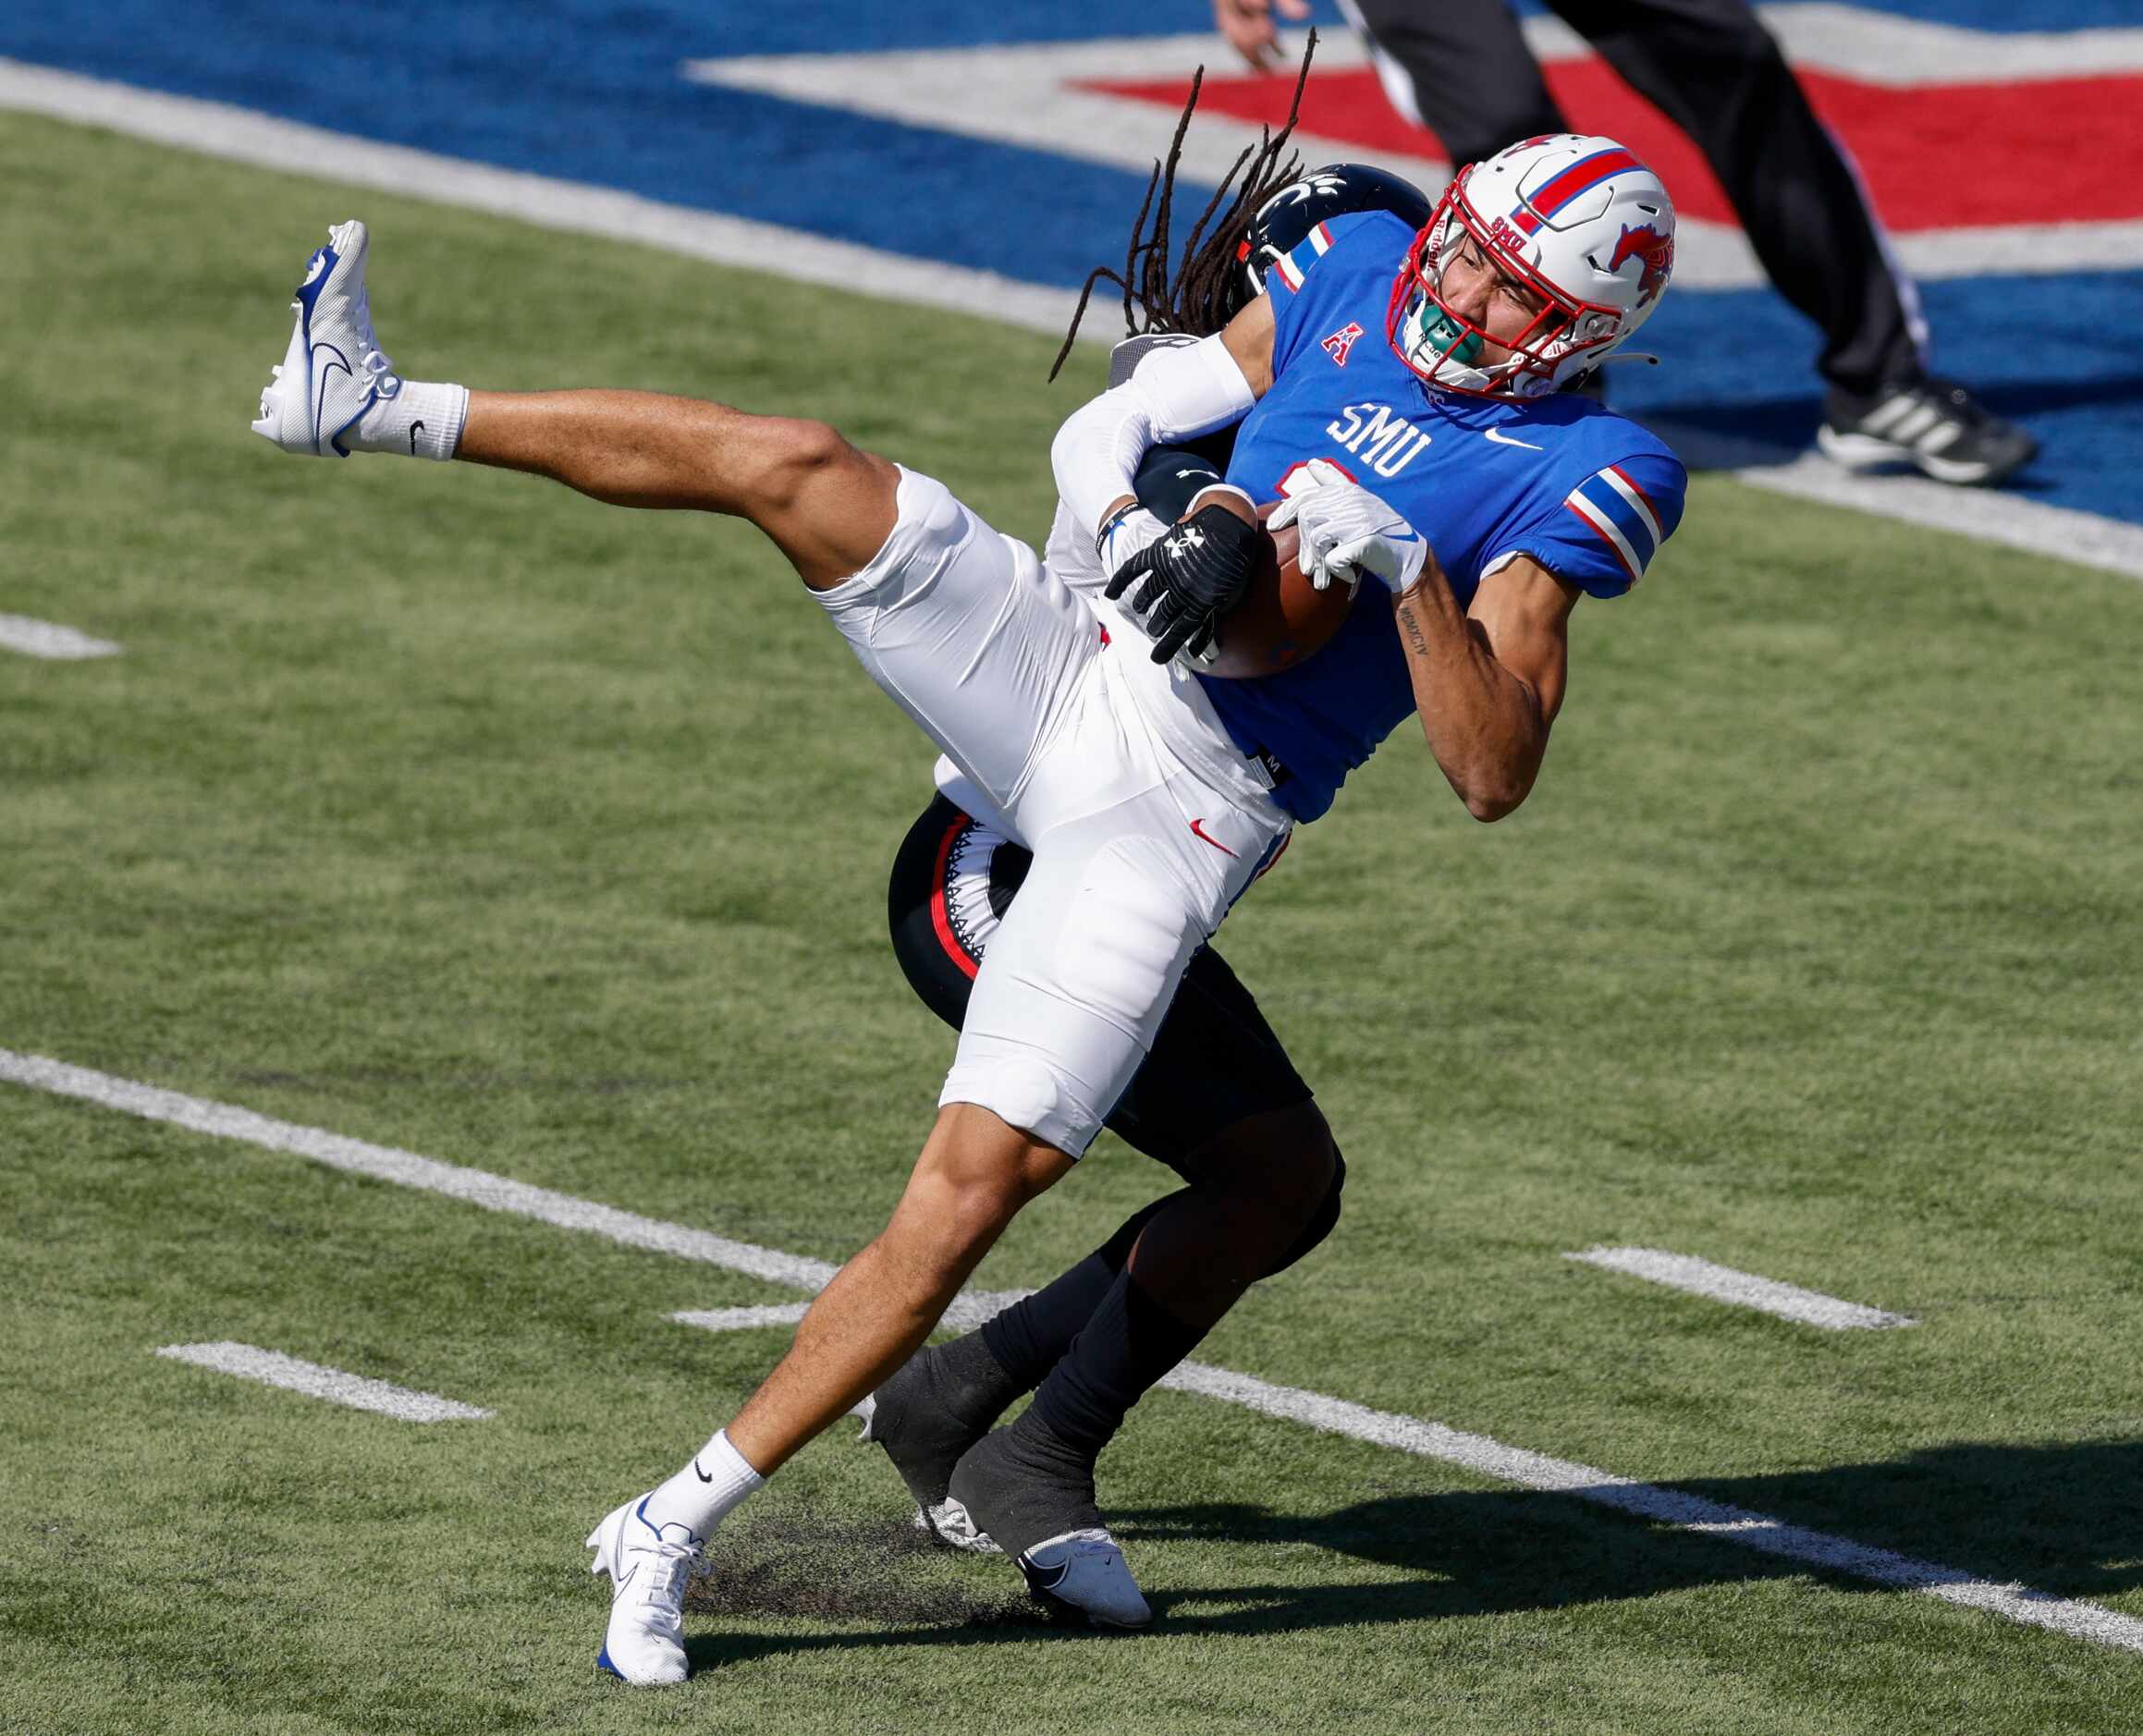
[(1192, 577)]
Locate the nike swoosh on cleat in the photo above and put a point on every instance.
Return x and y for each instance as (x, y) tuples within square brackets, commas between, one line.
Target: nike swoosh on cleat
[(1046, 1578), (1495, 438), (317, 371)]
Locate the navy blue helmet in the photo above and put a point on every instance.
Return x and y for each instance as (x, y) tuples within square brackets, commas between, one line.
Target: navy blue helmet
[(1336, 191)]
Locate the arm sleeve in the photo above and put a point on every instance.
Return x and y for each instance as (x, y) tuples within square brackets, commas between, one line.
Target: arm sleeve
[(1175, 392), (1603, 534)]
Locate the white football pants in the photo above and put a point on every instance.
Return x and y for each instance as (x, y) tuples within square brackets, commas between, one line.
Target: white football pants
[(1147, 822)]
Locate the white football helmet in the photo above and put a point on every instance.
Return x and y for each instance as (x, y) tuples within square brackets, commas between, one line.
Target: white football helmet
[(1580, 222)]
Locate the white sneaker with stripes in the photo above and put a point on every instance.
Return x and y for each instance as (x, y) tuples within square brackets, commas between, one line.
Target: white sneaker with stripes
[(1934, 426)]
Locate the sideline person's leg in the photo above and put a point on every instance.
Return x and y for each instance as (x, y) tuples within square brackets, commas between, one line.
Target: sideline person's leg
[(1459, 67), (1713, 69)]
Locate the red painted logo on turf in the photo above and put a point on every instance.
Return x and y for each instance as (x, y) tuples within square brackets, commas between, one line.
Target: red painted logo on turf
[(1340, 342), (1657, 250)]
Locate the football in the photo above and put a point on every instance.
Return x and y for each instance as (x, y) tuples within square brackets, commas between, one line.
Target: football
[(1284, 618)]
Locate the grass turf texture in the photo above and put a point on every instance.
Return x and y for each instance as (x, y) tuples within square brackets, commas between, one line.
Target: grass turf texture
[(440, 807)]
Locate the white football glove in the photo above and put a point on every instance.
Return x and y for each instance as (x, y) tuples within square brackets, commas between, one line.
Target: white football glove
[(1346, 531)]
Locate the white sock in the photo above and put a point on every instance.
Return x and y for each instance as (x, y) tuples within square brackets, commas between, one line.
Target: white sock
[(699, 1496), (421, 420)]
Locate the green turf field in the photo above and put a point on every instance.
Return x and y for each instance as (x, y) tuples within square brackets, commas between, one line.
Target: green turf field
[(433, 807)]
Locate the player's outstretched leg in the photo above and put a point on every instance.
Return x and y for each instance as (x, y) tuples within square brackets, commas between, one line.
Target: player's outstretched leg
[(828, 506)]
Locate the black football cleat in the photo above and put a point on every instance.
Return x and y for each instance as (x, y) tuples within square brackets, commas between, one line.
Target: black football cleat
[(925, 1418), (1035, 1496)]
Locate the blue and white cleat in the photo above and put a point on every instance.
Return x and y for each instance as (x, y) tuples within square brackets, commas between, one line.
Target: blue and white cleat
[(649, 1567), (334, 372), (1084, 1571)]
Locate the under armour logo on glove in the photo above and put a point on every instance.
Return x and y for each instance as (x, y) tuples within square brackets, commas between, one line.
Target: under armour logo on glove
[(1191, 578), (1346, 532)]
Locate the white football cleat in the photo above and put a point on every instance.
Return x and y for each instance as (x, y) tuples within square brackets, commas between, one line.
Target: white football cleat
[(649, 1567), (334, 372), (1084, 1570)]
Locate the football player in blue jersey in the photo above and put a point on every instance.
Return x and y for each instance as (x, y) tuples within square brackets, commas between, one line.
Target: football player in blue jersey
[(1400, 390), (1413, 416), (1534, 499)]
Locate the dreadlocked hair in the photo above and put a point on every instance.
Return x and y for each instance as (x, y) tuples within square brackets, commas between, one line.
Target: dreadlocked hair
[(1200, 298)]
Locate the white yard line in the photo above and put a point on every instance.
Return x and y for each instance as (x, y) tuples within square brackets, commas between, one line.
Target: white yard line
[(1418, 1435), (383, 1163), (249, 1361), (741, 1319), (48, 639), (240, 135), (1744, 1289)]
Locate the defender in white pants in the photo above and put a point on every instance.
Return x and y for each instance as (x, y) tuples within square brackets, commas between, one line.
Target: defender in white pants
[(1146, 822)]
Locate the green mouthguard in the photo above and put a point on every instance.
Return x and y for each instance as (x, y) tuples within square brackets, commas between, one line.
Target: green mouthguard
[(1438, 336)]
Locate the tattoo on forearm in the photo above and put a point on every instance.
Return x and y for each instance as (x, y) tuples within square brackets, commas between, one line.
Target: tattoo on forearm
[(1412, 629)]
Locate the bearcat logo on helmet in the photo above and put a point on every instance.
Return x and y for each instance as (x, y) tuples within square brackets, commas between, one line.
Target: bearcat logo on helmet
[(1283, 222), (1657, 250)]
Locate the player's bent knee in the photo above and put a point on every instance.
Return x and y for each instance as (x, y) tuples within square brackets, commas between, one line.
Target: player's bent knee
[(791, 458), (1323, 1218), (829, 506)]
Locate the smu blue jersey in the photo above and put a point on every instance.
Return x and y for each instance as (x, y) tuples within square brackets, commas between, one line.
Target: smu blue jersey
[(1587, 492)]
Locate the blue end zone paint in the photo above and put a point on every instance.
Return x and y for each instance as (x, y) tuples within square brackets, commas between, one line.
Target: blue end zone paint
[(607, 105), (590, 92)]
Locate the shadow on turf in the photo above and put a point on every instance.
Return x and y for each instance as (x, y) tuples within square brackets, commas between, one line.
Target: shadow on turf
[(2067, 1520)]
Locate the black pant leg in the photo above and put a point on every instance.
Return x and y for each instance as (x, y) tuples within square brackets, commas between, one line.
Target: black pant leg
[(1476, 86), (1714, 70)]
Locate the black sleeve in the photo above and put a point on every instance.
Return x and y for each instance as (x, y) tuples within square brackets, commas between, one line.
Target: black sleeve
[(1169, 477)]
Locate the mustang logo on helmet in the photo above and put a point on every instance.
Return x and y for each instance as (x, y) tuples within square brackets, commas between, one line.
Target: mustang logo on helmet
[(1547, 213), (1657, 250)]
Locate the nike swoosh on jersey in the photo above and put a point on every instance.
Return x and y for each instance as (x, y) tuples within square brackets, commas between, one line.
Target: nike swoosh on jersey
[(1496, 437)]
